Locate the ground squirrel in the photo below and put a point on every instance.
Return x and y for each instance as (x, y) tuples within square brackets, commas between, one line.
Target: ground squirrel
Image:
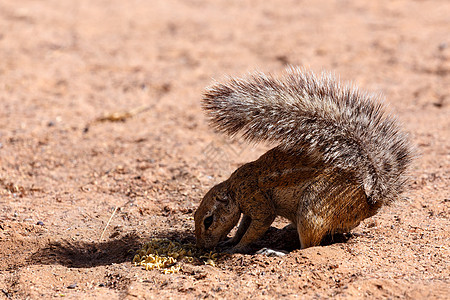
[(339, 158)]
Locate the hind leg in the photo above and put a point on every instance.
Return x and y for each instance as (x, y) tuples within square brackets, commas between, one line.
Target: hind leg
[(311, 231), (310, 223)]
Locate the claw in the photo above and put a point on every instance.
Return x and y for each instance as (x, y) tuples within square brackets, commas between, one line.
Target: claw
[(226, 243), (239, 249)]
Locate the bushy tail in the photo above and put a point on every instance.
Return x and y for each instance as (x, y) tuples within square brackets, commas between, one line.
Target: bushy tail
[(339, 125)]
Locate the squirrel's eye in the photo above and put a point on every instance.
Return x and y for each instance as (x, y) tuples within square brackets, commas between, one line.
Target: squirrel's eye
[(207, 222)]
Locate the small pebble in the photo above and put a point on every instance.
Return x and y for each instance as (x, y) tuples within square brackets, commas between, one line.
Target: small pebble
[(72, 286), (101, 284), (40, 223), (442, 46)]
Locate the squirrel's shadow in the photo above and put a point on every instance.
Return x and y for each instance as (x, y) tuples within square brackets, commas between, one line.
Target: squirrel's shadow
[(81, 254), (287, 239)]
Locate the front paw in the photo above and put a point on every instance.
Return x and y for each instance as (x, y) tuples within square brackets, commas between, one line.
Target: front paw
[(239, 249), (227, 243)]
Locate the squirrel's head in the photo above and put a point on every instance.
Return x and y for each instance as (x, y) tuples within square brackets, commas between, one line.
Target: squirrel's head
[(216, 215)]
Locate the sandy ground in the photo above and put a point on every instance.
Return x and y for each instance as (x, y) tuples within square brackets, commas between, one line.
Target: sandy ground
[(63, 171)]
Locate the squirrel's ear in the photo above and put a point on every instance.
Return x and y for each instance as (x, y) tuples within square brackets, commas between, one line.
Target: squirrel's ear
[(223, 197)]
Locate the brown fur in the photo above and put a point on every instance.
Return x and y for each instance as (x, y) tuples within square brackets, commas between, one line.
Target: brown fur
[(339, 159)]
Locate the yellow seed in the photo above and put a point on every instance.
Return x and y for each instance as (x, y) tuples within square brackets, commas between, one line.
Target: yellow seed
[(163, 254), (210, 262)]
